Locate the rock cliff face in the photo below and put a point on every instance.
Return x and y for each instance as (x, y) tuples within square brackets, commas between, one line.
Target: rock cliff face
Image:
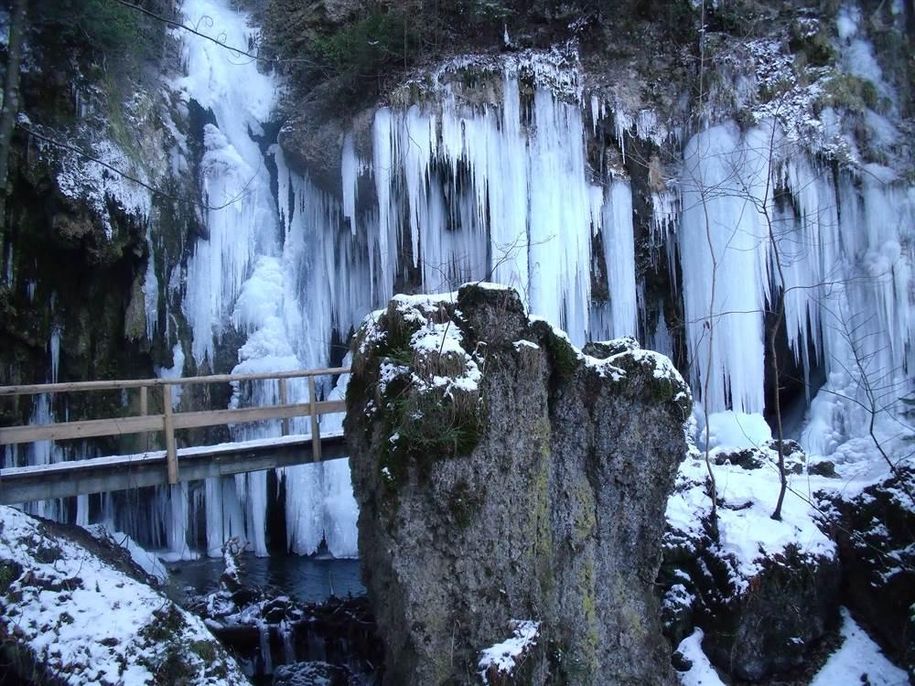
[(502, 476)]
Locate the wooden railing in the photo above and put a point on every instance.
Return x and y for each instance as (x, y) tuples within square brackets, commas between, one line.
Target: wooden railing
[(168, 421)]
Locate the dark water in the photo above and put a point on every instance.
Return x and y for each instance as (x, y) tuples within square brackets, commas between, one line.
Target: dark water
[(304, 579)]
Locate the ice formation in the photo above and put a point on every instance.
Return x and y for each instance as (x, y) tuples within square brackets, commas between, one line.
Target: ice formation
[(505, 192)]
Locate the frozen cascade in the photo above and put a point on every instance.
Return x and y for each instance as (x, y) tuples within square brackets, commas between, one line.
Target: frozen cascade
[(275, 293), (328, 288), (619, 253), (723, 249), (490, 195), (482, 193), (845, 243), (242, 215), (44, 452), (505, 193)]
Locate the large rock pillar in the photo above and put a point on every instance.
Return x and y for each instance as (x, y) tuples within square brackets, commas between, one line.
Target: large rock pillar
[(504, 477)]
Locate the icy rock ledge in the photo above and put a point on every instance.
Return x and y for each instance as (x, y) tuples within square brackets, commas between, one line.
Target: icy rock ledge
[(502, 473), (874, 532), (75, 610), (764, 592)]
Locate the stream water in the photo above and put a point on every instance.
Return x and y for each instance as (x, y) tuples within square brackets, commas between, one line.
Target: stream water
[(304, 579)]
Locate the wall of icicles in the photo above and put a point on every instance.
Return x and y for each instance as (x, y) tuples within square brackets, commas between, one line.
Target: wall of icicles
[(505, 193)]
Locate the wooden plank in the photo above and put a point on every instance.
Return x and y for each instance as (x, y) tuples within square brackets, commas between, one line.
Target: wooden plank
[(94, 428), (98, 475), (144, 400), (168, 427), (89, 428), (315, 429), (79, 386), (195, 420), (283, 401)]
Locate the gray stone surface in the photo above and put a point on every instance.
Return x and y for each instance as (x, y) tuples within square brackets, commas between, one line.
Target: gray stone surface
[(874, 531), (542, 497)]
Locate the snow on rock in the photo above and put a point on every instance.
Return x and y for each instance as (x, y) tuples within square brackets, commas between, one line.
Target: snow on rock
[(762, 590), (748, 535), (858, 660), (81, 179), (874, 531), (435, 345), (82, 620), (500, 661), (699, 671), (426, 468), (145, 560), (737, 430)]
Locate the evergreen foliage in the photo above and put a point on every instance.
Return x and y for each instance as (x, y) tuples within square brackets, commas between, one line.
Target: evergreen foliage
[(104, 27)]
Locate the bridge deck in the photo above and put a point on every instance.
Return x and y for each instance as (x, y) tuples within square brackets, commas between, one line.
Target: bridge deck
[(120, 472), (172, 465)]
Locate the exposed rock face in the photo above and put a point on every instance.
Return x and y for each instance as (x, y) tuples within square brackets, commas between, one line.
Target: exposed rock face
[(502, 475), (765, 626), (770, 626), (874, 531)]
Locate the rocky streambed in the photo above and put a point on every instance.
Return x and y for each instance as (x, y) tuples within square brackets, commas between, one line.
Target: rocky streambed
[(78, 608)]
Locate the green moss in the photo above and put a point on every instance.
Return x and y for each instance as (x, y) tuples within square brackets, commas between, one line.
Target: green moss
[(9, 572), (662, 389), (165, 626), (397, 334), (574, 656), (464, 503), (564, 360), (585, 517), (850, 92), (543, 533), (425, 427), (174, 668), (365, 47), (47, 553), (205, 650), (815, 49), (107, 27)]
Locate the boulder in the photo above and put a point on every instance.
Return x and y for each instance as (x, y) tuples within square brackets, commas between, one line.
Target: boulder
[(71, 605), (760, 612), (874, 532), (504, 479), (770, 624)]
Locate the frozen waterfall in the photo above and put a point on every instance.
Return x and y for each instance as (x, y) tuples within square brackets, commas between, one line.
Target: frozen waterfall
[(452, 192)]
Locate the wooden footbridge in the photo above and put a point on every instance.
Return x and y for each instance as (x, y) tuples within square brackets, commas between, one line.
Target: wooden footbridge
[(173, 463)]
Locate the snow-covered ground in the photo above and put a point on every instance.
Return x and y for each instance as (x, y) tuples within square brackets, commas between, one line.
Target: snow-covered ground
[(749, 537), (89, 623), (858, 660)]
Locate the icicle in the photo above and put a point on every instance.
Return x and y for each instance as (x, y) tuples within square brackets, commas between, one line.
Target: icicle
[(382, 145), (54, 346), (619, 253), (263, 631), (724, 252), (236, 182), (349, 169)]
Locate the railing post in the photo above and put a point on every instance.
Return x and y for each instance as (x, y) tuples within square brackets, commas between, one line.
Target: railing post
[(168, 427), (144, 409), (315, 427), (284, 401)]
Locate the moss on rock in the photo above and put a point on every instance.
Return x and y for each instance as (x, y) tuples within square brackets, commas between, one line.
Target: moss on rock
[(497, 471)]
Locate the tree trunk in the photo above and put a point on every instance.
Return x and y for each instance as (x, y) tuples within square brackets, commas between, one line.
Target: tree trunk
[(10, 100)]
